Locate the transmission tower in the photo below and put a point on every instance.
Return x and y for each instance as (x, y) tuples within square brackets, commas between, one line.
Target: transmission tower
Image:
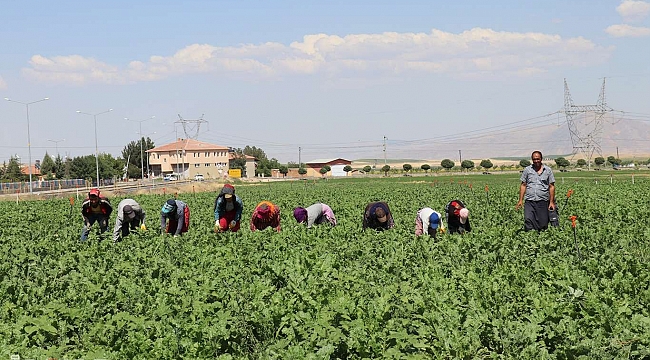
[(586, 142), (191, 128)]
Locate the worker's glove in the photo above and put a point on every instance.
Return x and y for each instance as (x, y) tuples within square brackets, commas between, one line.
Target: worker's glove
[(176, 236), (442, 231), (233, 224), (143, 228), (217, 227)]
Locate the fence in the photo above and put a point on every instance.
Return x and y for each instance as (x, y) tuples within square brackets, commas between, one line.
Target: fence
[(44, 185)]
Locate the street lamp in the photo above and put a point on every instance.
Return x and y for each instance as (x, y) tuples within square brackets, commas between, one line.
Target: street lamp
[(141, 139), (29, 141), (56, 143), (96, 148)]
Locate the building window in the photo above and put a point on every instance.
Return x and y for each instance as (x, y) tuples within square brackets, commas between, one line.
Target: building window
[(197, 165), (206, 165), (197, 154), (207, 154), (165, 160)]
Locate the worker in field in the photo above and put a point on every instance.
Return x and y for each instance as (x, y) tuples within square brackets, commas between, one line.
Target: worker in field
[(314, 214), (227, 210), (428, 221), (95, 209), (377, 216), (265, 215), (130, 216), (537, 188), (175, 217), (457, 217)]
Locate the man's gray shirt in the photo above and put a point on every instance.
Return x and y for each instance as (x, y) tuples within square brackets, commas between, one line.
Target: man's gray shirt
[(537, 185), (119, 221)]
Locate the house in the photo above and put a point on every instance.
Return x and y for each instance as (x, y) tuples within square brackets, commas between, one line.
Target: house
[(337, 165)]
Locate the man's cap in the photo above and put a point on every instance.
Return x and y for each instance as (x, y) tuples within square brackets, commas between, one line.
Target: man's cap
[(463, 214), (228, 191), (128, 212), (433, 220), (94, 192), (300, 214), (169, 206)]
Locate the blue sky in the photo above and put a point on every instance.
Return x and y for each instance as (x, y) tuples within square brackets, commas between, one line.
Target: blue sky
[(332, 77)]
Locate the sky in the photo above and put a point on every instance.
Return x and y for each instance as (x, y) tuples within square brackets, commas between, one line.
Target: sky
[(332, 78)]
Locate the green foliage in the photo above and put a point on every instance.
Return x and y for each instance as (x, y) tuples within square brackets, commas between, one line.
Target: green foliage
[(12, 171), (447, 164), (581, 162), (425, 167), (325, 169), (385, 169), (302, 171), (407, 167), (47, 165), (367, 169), (562, 162), (283, 170), (132, 152), (599, 160), (613, 161), (347, 168), (339, 293), (487, 164), (467, 164), (524, 163)]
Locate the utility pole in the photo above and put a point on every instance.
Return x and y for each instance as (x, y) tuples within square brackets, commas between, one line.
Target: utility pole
[(299, 157), (617, 157), (385, 150), (460, 156)]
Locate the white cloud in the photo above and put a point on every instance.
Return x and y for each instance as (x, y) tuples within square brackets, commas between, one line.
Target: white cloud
[(471, 52), (625, 30), (3, 84), (633, 11)]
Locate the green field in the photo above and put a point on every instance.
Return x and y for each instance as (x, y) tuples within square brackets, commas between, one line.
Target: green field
[(337, 293)]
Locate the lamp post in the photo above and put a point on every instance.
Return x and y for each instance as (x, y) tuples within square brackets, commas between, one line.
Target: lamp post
[(141, 140), (56, 143), (96, 148), (29, 140)]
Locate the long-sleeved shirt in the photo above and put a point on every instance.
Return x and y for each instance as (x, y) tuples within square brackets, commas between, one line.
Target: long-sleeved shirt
[(261, 221), (103, 207), (319, 213), (537, 185), (119, 221), (222, 206), (179, 216), (422, 221), (370, 219), (453, 218)]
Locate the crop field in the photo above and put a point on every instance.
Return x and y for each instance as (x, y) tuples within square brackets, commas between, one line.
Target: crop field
[(336, 293)]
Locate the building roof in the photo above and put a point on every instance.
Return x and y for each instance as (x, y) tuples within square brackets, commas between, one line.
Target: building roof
[(231, 156), (25, 170), (188, 145), (327, 161)]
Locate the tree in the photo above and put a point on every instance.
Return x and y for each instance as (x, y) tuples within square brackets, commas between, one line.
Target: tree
[(407, 167), (581, 162), (385, 169), (59, 167), (347, 169), (284, 170), (487, 164), (293, 165), (325, 169), (562, 162), (425, 167), (447, 164), (524, 163), (47, 165), (12, 172), (467, 164), (302, 171), (366, 169), (132, 152), (613, 161), (599, 161)]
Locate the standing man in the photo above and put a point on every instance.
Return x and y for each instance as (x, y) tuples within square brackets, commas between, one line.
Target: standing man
[(129, 215), (227, 210), (538, 186), (266, 214), (314, 214), (178, 214), (95, 208), (377, 216)]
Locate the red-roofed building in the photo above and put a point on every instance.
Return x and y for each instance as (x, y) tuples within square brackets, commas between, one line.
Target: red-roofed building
[(190, 157)]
